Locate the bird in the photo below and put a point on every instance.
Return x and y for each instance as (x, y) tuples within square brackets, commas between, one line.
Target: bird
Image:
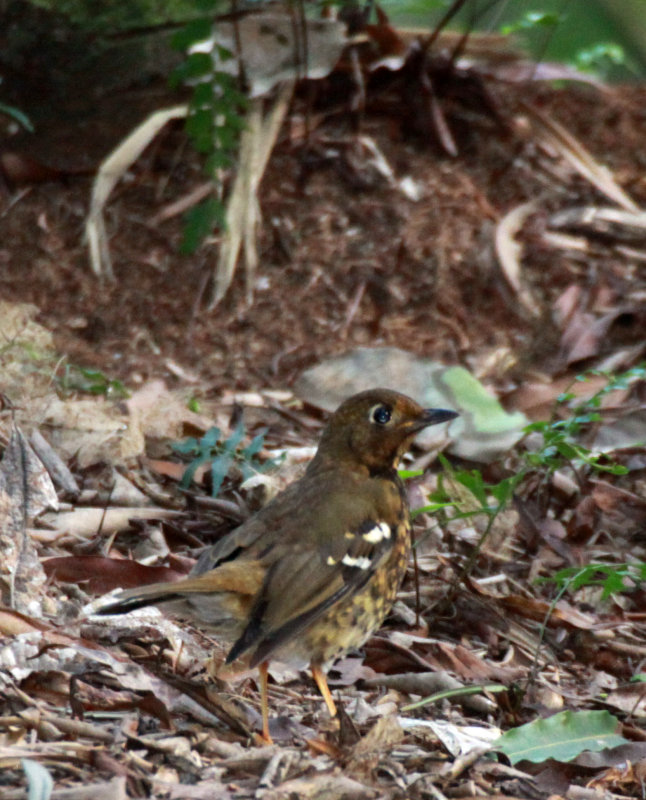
[(313, 573)]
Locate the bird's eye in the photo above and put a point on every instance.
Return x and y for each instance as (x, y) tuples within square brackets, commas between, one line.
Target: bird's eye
[(380, 415)]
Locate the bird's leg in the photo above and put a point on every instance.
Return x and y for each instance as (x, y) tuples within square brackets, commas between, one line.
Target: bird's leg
[(321, 682), (263, 670)]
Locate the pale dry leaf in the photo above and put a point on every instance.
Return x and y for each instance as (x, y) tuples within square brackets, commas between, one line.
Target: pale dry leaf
[(92, 430), (84, 522), (458, 739), (270, 48), (112, 169), (163, 413), (509, 253)]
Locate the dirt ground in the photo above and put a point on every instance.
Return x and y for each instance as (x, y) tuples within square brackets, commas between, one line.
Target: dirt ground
[(350, 257), (346, 259)]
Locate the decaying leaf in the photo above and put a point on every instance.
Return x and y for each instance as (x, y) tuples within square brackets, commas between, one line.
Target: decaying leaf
[(25, 491)]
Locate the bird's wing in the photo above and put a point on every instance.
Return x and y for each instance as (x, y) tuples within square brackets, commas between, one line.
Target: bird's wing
[(253, 536), (300, 585)]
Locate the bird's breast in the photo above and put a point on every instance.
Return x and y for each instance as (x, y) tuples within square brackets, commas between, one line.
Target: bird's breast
[(351, 621)]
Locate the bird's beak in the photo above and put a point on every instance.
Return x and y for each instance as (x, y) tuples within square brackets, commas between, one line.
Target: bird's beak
[(433, 416)]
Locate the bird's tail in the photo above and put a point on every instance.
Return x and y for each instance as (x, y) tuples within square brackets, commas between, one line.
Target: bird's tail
[(130, 600), (241, 579)]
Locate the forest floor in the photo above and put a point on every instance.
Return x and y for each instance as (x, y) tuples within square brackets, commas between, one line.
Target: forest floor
[(349, 257)]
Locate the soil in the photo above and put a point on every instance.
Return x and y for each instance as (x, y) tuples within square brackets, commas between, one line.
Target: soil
[(346, 258)]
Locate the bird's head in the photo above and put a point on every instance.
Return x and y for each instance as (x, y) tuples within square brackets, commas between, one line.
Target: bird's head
[(373, 429)]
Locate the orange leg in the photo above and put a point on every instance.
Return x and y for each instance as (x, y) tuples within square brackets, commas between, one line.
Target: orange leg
[(264, 701), (321, 682)]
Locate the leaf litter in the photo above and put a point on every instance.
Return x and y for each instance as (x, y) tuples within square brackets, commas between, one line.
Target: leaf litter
[(136, 707)]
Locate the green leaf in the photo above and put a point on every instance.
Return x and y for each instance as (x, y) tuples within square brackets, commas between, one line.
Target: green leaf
[(216, 161), (189, 445), (614, 578), (199, 222), (235, 438), (210, 438), (430, 509), (219, 471), (474, 482), (472, 397), (405, 474), (200, 127), (532, 20), (198, 30), (208, 6), (592, 59), (189, 472), (197, 65), (254, 446), (503, 492), (18, 115), (202, 95), (561, 737), (567, 450)]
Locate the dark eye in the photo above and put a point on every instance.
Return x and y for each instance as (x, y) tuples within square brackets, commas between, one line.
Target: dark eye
[(381, 415)]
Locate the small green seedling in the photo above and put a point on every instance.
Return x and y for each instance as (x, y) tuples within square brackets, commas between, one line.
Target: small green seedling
[(90, 381), (222, 455), (613, 578)]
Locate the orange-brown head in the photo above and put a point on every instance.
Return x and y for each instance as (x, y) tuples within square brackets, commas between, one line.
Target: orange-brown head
[(370, 431)]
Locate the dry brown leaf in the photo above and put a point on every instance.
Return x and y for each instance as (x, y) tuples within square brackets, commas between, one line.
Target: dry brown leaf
[(321, 787), (25, 490), (578, 156), (541, 611), (100, 575)]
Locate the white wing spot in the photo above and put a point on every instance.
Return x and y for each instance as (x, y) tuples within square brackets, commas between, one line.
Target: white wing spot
[(376, 534), (361, 562), (331, 561)]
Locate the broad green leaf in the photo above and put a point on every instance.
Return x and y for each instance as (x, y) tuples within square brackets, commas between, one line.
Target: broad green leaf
[(472, 397), (561, 737), (199, 223), (198, 30)]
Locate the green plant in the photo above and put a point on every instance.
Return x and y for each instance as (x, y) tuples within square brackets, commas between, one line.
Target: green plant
[(468, 495), (561, 737), (222, 454), (560, 445), (601, 58), (90, 381), (477, 498), (613, 578), (17, 115), (466, 492), (533, 21), (215, 119)]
